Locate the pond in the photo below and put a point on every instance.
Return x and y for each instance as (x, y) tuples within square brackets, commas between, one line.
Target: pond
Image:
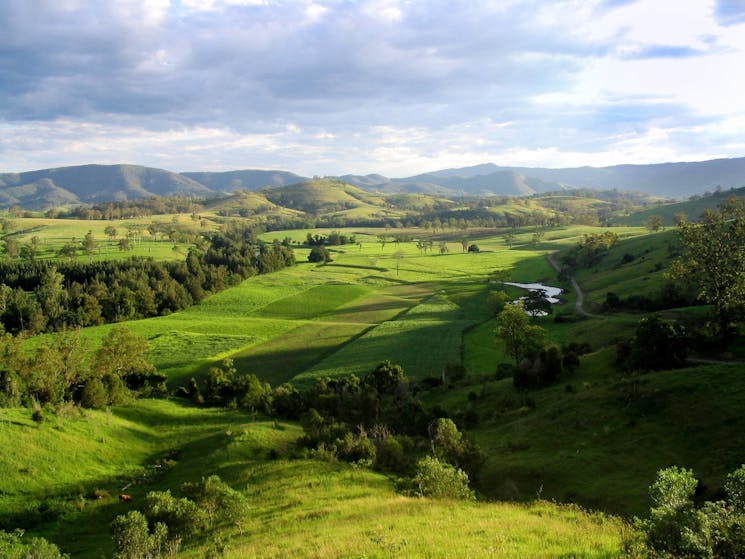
[(552, 294)]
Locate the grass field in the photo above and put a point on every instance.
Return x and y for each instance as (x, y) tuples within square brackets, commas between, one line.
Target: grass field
[(594, 437), (298, 508), (53, 234)]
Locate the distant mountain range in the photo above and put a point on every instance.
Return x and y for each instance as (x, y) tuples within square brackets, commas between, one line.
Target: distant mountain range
[(87, 184)]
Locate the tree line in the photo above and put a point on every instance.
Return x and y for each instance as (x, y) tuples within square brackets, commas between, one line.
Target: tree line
[(378, 420), (44, 296)]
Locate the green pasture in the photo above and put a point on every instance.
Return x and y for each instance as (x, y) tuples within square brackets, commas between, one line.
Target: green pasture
[(298, 507), (692, 209), (348, 315), (53, 234)]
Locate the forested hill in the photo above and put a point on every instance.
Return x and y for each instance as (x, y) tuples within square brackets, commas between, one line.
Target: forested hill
[(88, 184), (47, 188)]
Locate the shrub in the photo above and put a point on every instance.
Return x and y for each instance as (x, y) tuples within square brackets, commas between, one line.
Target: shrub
[(441, 480), (319, 254), (94, 394), (133, 538), (676, 528), (13, 546), (474, 248)]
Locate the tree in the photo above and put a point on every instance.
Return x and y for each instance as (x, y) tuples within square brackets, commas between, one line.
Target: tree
[(385, 377), (676, 528), (13, 546), (655, 223), (133, 539), (536, 303), (441, 480), (319, 254), (658, 344), (217, 499), (122, 354), (124, 244), (12, 249), (713, 260), (520, 336), (89, 243), (474, 248), (110, 231)]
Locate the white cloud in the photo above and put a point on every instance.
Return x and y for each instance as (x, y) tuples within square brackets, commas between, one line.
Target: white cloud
[(385, 86)]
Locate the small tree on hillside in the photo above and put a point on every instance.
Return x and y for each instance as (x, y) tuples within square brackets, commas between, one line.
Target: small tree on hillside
[(520, 336), (319, 254), (713, 261), (441, 480)]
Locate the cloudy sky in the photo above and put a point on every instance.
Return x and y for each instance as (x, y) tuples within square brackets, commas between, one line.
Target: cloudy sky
[(389, 86)]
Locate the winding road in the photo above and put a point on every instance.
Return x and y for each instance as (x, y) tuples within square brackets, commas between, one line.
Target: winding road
[(578, 305)]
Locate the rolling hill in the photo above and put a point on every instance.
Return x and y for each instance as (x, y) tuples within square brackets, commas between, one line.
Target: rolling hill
[(88, 184), (100, 183)]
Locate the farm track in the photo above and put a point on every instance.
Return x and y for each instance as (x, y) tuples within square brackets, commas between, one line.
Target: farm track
[(578, 305)]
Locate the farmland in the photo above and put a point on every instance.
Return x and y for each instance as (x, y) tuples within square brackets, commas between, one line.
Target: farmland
[(423, 308)]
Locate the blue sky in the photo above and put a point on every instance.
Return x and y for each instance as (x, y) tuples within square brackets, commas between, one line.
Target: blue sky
[(388, 86)]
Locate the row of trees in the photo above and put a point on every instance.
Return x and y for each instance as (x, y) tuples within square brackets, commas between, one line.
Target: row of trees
[(63, 369), (47, 296)]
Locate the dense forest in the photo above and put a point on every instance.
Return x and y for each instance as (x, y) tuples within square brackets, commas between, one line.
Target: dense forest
[(42, 295)]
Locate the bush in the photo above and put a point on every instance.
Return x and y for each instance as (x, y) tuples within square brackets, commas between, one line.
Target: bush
[(441, 480), (12, 546), (94, 394), (319, 254), (133, 538), (676, 528), (474, 248)]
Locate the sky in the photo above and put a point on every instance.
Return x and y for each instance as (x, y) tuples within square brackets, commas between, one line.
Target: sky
[(394, 87)]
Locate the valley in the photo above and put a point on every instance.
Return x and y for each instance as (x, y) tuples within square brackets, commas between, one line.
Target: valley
[(565, 465)]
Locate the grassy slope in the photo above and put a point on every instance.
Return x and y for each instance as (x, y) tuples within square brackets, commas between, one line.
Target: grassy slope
[(691, 208), (53, 234), (590, 443), (299, 508)]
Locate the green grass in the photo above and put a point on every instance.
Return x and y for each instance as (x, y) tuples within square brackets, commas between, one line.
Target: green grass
[(53, 234), (691, 208), (298, 508)]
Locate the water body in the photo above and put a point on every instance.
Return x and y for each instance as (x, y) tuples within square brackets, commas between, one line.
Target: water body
[(552, 293)]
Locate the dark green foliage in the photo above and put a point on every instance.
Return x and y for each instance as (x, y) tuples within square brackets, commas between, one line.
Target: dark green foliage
[(536, 303), (385, 378), (454, 372), (319, 254), (713, 261), (58, 371), (217, 499), (182, 516), (474, 248), (521, 338), (590, 250), (70, 294), (94, 394), (225, 386), (658, 344)]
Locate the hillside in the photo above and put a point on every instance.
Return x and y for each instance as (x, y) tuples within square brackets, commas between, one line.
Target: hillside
[(98, 183), (88, 184), (297, 507), (691, 209), (250, 179)]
